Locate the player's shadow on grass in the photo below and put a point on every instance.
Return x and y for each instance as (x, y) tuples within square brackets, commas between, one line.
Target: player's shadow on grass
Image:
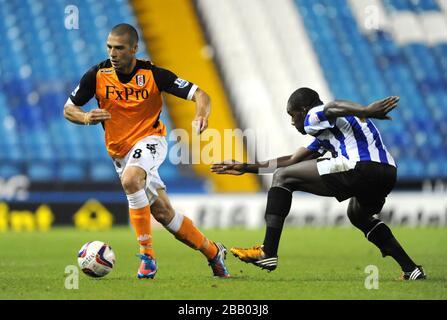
[(266, 276), (110, 279)]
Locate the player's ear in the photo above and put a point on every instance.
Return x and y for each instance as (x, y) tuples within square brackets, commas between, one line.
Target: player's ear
[(135, 48)]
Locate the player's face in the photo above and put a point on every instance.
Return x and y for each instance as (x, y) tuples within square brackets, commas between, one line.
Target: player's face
[(121, 52), (297, 119)]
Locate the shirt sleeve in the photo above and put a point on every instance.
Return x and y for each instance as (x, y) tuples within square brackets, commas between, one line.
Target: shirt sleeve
[(316, 121), (168, 81), (316, 146), (86, 88)]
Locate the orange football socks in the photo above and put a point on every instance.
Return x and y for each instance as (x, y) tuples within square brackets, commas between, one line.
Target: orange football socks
[(140, 218), (184, 230)]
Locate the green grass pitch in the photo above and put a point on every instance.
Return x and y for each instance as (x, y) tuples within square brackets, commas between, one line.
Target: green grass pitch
[(314, 263)]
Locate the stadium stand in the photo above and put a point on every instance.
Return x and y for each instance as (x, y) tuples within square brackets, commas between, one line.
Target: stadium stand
[(405, 55), (263, 51), (42, 62)]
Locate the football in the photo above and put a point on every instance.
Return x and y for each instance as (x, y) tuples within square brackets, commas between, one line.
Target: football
[(96, 259)]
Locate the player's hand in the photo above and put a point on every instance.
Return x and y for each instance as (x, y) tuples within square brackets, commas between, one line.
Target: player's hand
[(200, 124), (96, 116), (380, 109), (229, 167)]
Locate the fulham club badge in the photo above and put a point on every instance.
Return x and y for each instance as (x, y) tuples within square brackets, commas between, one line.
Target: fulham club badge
[(140, 80)]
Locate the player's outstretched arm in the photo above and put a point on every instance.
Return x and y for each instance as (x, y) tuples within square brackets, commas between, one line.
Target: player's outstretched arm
[(237, 168), (203, 109), (378, 109), (76, 115)]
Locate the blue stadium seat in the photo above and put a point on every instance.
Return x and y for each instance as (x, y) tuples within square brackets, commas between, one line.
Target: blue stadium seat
[(9, 170), (41, 172), (103, 172), (71, 171)]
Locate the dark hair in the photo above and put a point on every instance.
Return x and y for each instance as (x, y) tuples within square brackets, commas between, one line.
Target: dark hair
[(125, 28), (304, 98)]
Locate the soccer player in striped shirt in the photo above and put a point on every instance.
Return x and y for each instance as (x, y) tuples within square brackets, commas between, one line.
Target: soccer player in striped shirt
[(360, 169)]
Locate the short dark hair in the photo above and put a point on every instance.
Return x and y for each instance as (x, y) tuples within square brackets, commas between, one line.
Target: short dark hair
[(304, 98), (125, 28)]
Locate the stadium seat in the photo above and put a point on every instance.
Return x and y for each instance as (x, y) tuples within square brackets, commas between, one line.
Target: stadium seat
[(103, 172), (71, 171), (9, 170), (41, 172)]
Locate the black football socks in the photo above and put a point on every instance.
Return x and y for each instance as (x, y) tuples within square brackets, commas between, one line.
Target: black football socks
[(380, 234), (279, 201)]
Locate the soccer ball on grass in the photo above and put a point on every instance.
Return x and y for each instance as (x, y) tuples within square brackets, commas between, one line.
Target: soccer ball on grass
[(96, 259)]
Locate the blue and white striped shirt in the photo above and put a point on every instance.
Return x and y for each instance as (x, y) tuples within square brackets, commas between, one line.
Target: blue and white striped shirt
[(353, 138)]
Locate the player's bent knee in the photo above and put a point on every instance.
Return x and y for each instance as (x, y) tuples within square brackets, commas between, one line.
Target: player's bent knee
[(132, 184), (282, 179), (279, 177), (376, 208), (362, 216), (356, 215)]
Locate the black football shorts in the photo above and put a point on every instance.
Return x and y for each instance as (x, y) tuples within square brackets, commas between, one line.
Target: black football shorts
[(368, 181)]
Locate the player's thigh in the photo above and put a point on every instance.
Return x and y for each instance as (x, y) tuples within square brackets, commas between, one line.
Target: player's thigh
[(140, 166), (302, 176)]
